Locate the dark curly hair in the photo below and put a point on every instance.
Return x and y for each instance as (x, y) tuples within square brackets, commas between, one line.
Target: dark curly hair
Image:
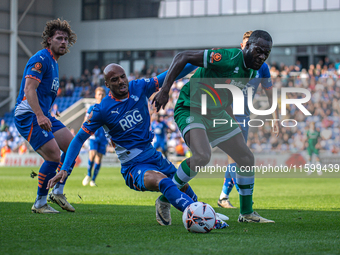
[(54, 25)]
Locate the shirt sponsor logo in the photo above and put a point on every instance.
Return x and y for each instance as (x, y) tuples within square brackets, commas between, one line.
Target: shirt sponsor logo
[(131, 120), (55, 85)]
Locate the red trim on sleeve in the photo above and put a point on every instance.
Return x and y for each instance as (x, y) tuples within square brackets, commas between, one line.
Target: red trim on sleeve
[(32, 77), (86, 130)]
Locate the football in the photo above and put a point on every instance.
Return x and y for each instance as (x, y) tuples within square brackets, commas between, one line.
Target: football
[(199, 217)]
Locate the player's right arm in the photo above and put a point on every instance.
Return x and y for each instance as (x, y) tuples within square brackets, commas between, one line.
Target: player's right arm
[(32, 98), (181, 59), (71, 155), (94, 121)]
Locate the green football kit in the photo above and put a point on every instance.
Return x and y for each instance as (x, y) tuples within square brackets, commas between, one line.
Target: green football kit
[(223, 66), (312, 141)]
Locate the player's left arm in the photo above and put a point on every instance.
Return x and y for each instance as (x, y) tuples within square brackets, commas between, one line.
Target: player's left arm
[(71, 155), (94, 121), (267, 85)]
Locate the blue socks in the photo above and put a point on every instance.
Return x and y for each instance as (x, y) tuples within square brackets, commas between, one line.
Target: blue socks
[(228, 186), (95, 171), (59, 187), (89, 167), (176, 197), (191, 193), (229, 181), (46, 172)]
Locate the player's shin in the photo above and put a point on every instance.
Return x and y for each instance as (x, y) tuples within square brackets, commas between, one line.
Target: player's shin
[(176, 197), (46, 172), (59, 187), (183, 175), (245, 182), (89, 167), (188, 190), (96, 171)]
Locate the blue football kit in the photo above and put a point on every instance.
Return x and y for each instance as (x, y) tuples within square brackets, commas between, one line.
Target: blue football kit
[(43, 68), (160, 128), (127, 121)]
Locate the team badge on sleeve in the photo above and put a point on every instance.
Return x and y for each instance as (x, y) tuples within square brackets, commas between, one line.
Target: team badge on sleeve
[(215, 57), (37, 67)]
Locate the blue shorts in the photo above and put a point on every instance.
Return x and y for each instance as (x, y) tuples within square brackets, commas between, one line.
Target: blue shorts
[(245, 127), (28, 128), (134, 173), (98, 146), (160, 143)]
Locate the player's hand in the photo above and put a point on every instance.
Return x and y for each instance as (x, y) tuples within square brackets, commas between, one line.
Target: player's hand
[(161, 99), (61, 176), (44, 123), (276, 128)]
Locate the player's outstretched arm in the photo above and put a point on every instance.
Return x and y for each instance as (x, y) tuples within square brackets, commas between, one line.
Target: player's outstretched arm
[(31, 86), (71, 155), (181, 59)]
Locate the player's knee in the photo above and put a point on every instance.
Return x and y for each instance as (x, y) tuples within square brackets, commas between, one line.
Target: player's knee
[(152, 179), (201, 158), (54, 157), (249, 159)]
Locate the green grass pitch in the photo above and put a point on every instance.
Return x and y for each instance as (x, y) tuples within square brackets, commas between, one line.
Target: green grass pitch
[(112, 219)]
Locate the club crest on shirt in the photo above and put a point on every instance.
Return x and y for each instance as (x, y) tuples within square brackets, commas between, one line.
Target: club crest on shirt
[(37, 67), (215, 57)]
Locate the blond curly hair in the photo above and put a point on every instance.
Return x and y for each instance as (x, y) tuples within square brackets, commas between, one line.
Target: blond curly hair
[(54, 25)]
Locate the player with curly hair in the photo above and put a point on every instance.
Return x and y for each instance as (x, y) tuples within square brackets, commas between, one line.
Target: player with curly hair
[(46, 134)]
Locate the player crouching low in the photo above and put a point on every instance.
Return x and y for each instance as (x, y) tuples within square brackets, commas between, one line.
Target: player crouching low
[(124, 114)]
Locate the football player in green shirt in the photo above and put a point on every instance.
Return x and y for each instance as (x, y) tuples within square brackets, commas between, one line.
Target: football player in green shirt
[(200, 123), (313, 138)]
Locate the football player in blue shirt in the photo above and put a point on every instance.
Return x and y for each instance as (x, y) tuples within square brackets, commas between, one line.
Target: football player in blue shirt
[(98, 143), (32, 118), (124, 114), (160, 128), (263, 77)]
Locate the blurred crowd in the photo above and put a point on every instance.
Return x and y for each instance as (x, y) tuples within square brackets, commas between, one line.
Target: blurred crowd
[(322, 80)]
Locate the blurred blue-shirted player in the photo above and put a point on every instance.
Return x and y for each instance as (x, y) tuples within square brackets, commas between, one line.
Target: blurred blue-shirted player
[(124, 114), (46, 134), (160, 128), (263, 77), (98, 143)]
